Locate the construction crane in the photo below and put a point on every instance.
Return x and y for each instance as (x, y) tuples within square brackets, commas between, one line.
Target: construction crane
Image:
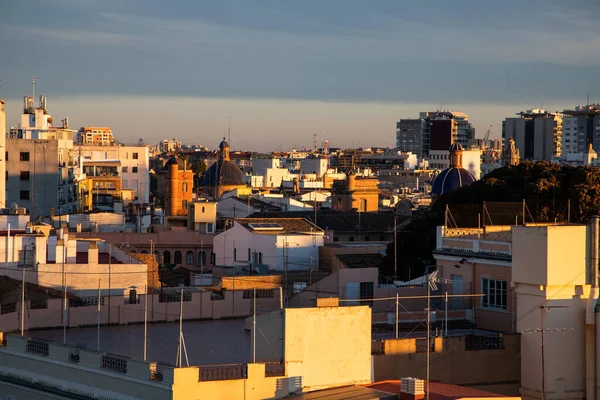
[(486, 137)]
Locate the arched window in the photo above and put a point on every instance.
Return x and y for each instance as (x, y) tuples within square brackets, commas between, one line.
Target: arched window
[(157, 256), (184, 187), (202, 258), (177, 258), (189, 257), (167, 257)]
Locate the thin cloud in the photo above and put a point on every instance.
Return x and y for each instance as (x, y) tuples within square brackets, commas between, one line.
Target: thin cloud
[(81, 36)]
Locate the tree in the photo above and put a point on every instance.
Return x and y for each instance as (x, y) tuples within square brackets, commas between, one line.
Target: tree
[(546, 188)]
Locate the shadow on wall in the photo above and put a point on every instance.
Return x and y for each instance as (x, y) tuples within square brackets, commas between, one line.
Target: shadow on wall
[(286, 386)]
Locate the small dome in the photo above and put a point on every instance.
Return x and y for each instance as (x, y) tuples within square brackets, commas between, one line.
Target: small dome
[(450, 180), (223, 144), (224, 172), (455, 147)]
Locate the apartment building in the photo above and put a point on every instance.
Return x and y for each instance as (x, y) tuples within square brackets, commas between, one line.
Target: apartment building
[(537, 134), (40, 163), (95, 135), (581, 128), (131, 162), (433, 130)]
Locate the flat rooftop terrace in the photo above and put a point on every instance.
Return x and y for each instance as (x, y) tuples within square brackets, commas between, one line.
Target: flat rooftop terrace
[(207, 342)]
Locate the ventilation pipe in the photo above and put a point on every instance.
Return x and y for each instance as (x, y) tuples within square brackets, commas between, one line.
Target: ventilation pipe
[(590, 314)]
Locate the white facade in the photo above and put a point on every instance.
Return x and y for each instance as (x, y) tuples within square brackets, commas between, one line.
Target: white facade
[(471, 160), (135, 165), (317, 166), (239, 246), (286, 203)]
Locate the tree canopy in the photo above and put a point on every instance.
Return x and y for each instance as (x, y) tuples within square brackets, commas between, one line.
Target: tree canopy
[(549, 190)]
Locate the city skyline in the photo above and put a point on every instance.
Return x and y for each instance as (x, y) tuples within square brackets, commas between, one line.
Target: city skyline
[(284, 71)]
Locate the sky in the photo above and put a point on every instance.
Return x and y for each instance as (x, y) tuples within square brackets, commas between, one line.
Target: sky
[(281, 71)]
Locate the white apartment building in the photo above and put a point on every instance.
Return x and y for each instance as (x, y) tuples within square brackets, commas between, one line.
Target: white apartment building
[(135, 165), (283, 244)]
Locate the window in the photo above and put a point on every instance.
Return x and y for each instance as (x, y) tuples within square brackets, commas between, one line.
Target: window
[(134, 170), (189, 258), (24, 175), (24, 156), (494, 293), (260, 258), (24, 195), (202, 209), (366, 292), (6, 156), (135, 157), (213, 258), (167, 257), (124, 169), (177, 257), (209, 227)]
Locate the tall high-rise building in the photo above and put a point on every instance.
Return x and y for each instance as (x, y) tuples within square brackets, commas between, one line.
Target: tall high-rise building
[(537, 134), (433, 130), (581, 128)]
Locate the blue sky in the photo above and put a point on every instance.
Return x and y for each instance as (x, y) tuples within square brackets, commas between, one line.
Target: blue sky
[(343, 69)]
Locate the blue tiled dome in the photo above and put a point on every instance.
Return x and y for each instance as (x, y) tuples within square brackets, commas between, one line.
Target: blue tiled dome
[(451, 179)]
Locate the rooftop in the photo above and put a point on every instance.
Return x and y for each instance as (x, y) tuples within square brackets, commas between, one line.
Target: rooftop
[(279, 226), (438, 391), (10, 291), (340, 221), (207, 342)]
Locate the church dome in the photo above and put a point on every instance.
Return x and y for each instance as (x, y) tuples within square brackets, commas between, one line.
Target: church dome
[(455, 176), (450, 180), (224, 172)]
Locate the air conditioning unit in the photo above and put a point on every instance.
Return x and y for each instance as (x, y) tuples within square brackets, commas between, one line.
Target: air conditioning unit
[(412, 386)]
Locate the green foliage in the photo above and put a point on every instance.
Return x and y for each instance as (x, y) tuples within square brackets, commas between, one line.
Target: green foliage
[(546, 188)]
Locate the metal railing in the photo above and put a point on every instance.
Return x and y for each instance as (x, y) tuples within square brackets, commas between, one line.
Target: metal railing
[(223, 372), (38, 347), (484, 343), (113, 363), (85, 302), (260, 294)]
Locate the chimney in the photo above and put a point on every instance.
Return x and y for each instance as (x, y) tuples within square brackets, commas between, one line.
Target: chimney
[(93, 253), (412, 389)]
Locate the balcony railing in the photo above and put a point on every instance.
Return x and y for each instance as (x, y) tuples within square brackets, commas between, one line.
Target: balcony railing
[(483, 343), (223, 372), (113, 363), (38, 347)]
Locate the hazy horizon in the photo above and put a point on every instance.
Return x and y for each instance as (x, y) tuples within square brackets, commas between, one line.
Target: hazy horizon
[(345, 70)]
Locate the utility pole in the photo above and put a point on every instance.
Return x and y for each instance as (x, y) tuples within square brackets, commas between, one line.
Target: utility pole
[(395, 252), (432, 279)]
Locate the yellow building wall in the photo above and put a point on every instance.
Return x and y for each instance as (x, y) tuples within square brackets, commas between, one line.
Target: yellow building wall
[(328, 346)]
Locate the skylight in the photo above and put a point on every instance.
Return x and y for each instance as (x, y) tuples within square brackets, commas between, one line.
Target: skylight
[(265, 227)]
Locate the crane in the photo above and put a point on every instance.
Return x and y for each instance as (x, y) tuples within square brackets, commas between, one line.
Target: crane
[(486, 138)]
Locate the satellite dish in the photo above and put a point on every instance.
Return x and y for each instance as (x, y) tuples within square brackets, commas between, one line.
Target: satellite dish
[(13, 208)]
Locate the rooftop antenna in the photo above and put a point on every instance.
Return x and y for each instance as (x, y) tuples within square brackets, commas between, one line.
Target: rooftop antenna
[(229, 130), (181, 343), (33, 81)]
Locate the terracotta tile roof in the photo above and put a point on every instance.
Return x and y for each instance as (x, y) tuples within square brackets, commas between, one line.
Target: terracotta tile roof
[(10, 291), (288, 226)]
